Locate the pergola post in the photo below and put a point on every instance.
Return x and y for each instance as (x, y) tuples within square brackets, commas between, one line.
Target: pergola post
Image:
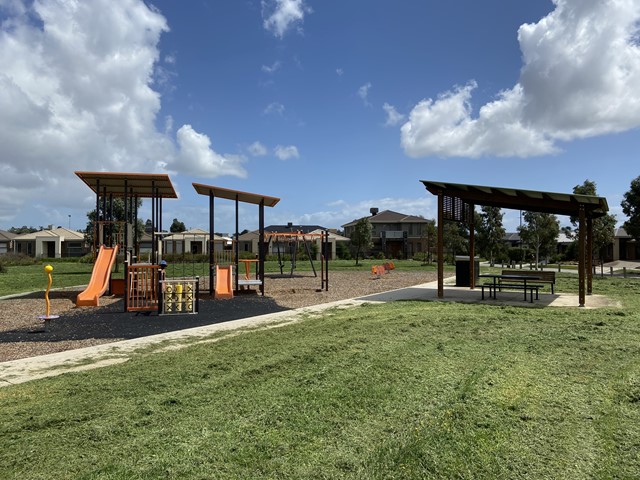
[(211, 242), (582, 232), (261, 248), (440, 248), (472, 248), (589, 255)]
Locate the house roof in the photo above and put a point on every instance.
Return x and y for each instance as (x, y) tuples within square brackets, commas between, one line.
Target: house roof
[(193, 234), (6, 236), (293, 228), (389, 216), (63, 233), (518, 199), (332, 235), (143, 185)]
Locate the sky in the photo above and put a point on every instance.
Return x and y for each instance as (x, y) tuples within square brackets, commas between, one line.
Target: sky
[(333, 106)]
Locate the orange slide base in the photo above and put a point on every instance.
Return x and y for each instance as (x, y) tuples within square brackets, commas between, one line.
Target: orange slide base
[(99, 282), (224, 280)]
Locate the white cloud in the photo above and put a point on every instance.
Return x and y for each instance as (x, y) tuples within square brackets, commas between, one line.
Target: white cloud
[(198, 158), (274, 108), (257, 149), (274, 67), (168, 124), (281, 15), (76, 93), (580, 78), (285, 153), (363, 93), (339, 72), (393, 116)]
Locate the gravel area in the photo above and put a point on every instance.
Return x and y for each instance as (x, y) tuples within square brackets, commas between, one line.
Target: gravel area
[(22, 333)]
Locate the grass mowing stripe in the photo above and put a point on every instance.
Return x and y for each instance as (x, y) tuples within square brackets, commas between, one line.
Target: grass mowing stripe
[(402, 390)]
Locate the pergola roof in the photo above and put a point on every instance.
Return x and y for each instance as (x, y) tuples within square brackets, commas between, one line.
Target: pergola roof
[(143, 185), (229, 194), (529, 200)]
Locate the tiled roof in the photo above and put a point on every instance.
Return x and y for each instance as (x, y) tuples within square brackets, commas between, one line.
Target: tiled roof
[(389, 216)]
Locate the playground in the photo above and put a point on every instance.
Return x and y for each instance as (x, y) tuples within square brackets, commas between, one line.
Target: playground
[(89, 326)]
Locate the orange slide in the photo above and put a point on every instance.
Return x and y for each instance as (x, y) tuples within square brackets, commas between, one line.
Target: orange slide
[(224, 280), (99, 278)]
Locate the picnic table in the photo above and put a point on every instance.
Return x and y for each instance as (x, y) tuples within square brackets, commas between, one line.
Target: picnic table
[(498, 284)]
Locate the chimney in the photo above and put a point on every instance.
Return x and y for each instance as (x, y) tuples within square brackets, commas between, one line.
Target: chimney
[(373, 211)]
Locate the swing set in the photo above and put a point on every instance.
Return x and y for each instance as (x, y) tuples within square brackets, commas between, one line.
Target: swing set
[(291, 244)]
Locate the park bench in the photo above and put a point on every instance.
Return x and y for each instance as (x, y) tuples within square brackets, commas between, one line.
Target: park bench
[(540, 276)]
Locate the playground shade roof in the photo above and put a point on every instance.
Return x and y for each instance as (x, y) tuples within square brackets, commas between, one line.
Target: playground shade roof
[(136, 184), (528, 200), (245, 197)]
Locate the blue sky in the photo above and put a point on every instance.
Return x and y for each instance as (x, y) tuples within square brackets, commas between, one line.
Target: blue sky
[(333, 106)]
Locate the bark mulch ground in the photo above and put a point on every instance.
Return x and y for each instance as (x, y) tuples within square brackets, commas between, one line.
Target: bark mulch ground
[(22, 333)]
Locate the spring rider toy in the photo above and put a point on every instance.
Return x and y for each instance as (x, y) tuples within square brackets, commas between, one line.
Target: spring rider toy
[(47, 317)]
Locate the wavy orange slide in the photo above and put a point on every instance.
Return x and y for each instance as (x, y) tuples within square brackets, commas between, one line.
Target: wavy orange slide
[(99, 282), (224, 280)]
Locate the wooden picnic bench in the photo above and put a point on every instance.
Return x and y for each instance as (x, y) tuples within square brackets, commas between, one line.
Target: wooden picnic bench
[(501, 281), (540, 276)]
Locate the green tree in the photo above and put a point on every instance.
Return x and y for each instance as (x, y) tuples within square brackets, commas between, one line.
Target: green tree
[(117, 209), (603, 227), (428, 237), (177, 226), (23, 229), (631, 208), (456, 238), (540, 232), (490, 237), (361, 237)]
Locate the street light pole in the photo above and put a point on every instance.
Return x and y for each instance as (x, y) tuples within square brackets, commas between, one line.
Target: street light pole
[(69, 222)]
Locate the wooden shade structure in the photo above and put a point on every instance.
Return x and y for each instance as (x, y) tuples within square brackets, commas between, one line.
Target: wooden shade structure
[(131, 187), (237, 196), (457, 202)]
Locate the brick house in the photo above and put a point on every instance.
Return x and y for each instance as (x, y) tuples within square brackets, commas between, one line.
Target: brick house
[(395, 235)]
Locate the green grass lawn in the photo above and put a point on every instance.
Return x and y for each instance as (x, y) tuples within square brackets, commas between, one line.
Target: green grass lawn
[(408, 390)]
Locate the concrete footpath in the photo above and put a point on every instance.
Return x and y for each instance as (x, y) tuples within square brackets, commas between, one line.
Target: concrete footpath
[(26, 369)]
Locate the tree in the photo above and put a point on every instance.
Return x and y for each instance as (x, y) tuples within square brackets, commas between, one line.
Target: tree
[(428, 235), (631, 208), (540, 232), (455, 238), (361, 237), (23, 229), (603, 227), (177, 226), (490, 238), (117, 209)]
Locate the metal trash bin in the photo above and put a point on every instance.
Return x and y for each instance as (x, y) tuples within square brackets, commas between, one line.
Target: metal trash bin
[(463, 265)]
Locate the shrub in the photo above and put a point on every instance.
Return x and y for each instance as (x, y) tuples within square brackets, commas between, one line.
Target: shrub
[(11, 259)]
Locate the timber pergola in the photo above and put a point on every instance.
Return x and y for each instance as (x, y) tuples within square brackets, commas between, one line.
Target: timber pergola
[(237, 196), (131, 187), (457, 202)]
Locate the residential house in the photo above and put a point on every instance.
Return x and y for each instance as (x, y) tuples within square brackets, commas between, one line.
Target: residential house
[(194, 241), (51, 243), (395, 235), (6, 241), (624, 247)]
